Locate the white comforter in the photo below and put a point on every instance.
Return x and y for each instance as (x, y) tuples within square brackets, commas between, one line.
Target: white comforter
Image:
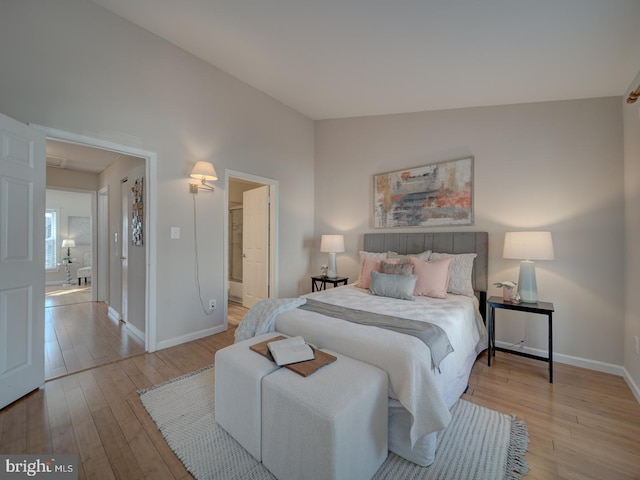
[(406, 359)]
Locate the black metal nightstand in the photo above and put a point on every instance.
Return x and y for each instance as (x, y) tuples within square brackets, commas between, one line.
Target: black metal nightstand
[(320, 282), (542, 308)]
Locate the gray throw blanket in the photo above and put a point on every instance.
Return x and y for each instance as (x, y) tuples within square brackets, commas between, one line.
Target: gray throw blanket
[(260, 319), (432, 335)]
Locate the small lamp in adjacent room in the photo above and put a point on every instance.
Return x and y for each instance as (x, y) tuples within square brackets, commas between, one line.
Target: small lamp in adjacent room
[(69, 243), (528, 246), (332, 244), (205, 172)]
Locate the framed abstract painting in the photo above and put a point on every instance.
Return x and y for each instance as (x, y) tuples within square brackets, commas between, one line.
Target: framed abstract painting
[(436, 195)]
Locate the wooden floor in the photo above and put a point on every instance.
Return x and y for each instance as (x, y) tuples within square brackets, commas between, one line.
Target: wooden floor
[(80, 335), (584, 426)]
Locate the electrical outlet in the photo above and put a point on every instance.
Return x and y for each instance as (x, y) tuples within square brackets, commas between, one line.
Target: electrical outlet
[(637, 345), (212, 304)]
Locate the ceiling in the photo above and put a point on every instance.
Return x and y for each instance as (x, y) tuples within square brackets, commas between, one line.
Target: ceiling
[(345, 58), (72, 156)]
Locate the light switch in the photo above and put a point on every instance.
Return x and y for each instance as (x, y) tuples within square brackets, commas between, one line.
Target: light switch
[(175, 233)]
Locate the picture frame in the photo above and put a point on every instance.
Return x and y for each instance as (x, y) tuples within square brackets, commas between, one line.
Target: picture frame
[(434, 195)]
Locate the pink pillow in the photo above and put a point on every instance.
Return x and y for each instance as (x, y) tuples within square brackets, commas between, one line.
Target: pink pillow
[(433, 277), (368, 265)]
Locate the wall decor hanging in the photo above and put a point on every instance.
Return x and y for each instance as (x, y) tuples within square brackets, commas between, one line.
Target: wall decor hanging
[(137, 213), (80, 229), (440, 194)]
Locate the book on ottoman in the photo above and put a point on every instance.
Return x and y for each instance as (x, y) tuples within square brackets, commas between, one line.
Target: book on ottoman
[(290, 350), (304, 368)]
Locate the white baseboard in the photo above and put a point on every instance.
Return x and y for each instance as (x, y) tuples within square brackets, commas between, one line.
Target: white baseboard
[(569, 360), (172, 342), (136, 331), (632, 385), (113, 314)]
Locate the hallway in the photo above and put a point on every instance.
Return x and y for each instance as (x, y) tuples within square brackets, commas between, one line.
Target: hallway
[(80, 335)]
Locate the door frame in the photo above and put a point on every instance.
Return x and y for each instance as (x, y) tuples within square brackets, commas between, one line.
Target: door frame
[(273, 233), (151, 200), (102, 238)]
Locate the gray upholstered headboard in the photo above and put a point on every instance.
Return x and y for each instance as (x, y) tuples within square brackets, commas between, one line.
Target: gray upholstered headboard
[(452, 242)]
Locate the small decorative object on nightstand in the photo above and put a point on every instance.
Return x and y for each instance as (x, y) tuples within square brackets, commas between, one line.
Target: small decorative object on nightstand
[(543, 308), (320, 282), (508, 290)]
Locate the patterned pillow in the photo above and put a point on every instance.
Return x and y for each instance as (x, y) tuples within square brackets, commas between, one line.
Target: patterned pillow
[(460, 281), (395, 267)]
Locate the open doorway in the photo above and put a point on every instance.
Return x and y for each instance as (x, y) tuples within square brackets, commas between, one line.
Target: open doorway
[(251, 240), (95, 332)]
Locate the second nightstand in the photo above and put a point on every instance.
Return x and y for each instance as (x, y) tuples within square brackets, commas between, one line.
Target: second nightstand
[(320, 283), (543, 308)]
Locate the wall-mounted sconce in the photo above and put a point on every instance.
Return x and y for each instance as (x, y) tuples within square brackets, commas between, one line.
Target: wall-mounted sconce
[(205, 172), (633, 96)]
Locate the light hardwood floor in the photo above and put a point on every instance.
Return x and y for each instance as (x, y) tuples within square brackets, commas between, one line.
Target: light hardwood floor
[(79, 334), (584, 426)]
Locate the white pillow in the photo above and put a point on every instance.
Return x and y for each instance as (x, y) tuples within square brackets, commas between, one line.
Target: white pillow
[(405, 258), (378, 255), (460, 282)]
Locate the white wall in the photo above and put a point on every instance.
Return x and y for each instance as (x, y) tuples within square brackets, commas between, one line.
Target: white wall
[(73, 66), (130, 168), (554, 166), (632, 236), (71, 179), (68, 204)]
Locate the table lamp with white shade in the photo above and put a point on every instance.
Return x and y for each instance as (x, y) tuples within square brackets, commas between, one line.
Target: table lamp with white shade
[(68, 243), (332, 244), (528, 246)]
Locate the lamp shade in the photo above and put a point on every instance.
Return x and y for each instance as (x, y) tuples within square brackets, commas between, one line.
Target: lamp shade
[(528, 246), (332, 243), (204, 171), (68, 243)]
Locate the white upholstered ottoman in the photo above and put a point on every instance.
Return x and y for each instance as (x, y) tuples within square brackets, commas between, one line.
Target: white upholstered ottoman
[(238, 376), (329, 425)]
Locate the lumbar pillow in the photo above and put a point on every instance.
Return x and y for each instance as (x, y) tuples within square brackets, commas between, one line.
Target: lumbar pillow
[(433, 277), (394, 286), (395, 267)]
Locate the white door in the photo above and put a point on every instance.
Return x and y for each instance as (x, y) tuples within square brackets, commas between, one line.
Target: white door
[(255, 246), (22, 204), (124, 250)]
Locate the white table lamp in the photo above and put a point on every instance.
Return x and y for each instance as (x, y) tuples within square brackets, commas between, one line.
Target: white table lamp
[(528, 246), (332, 244), (68, 243)]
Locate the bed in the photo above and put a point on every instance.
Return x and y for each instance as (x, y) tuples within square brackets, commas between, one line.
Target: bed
[(422, 389)]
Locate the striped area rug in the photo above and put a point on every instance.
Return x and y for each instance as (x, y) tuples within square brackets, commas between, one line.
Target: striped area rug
[(478, 444)]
